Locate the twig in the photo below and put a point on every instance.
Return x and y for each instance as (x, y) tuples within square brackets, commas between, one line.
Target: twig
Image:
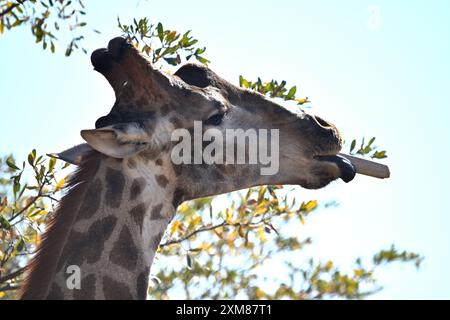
[(39, 195), (263, 220), (9, 288), (12, 275), (11, 7), (193, 233)]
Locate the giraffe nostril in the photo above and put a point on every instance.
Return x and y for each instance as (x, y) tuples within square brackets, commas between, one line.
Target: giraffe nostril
[(325, 129), (321, 122)]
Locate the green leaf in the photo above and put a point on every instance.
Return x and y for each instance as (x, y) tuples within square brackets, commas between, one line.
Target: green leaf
[(189, 261), (41, 172), (16, 187), (4, 223), (171, 61), (160, 30), (241, 81), (353, 145), (202, 60), (31, 157), (200, 50), (367, 149), (379, 155), (172, 36), (11, 164), (20, 245), (51, 164), (16, 23), (291, 93)]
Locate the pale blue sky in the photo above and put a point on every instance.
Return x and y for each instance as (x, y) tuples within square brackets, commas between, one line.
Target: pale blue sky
[(390, 82)]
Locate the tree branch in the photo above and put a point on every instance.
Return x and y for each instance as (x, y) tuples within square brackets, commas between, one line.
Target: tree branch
[(9, 288), (263, 220), (11, 7), (12, 275), (193, 233), (35, 199)]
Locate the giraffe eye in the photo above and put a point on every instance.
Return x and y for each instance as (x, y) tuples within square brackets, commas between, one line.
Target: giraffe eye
[(214, 120)]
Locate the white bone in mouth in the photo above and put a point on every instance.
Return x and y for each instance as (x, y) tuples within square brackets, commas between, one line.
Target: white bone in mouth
[(367, 167)]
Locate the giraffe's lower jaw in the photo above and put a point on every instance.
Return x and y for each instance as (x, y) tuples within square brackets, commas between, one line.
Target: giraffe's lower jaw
[(348, 170)]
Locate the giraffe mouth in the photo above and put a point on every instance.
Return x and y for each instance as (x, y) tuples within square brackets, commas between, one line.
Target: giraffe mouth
[(348, 170)]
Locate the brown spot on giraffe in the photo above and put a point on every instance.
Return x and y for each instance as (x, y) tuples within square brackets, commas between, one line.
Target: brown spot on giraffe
[(118, 160), (55, 293), (98, 233), (91, 201), (178, 169), (217, 175), (142, 284), (156, 240), (177, 197), (69, 256), (138, 214), (115, 290), (115, 183), (156, 213), (87, 288), (131, 163), (176, 122), (150, 154), (124, 252), (227, 169), (136, 188), (165, 148), (162, 180), (88, 246)]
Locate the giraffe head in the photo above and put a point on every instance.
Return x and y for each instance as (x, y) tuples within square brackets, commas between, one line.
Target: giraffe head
[(152, 108), (124, 194)]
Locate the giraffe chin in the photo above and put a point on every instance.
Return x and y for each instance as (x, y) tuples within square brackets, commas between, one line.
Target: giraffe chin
[(348, 170)]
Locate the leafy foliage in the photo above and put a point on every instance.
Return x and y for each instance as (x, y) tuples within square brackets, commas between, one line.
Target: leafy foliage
[(367, 149), (206, 252), (46, 18), (159, 43), (273, 89), (24, 211), (226, 254)]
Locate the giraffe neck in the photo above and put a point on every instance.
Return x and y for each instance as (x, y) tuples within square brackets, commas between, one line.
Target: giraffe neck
[(110, 246)]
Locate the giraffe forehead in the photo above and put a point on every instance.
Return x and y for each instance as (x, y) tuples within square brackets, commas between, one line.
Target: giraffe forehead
[(115, 183)]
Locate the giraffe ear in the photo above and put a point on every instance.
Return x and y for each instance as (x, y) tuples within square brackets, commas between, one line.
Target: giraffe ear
[(72, 155), (119, 140)]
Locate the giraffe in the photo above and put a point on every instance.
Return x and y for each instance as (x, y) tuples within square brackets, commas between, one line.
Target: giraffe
[(126, 189)]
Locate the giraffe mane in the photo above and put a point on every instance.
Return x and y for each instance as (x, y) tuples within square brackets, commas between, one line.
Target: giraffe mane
[(42, 266)]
